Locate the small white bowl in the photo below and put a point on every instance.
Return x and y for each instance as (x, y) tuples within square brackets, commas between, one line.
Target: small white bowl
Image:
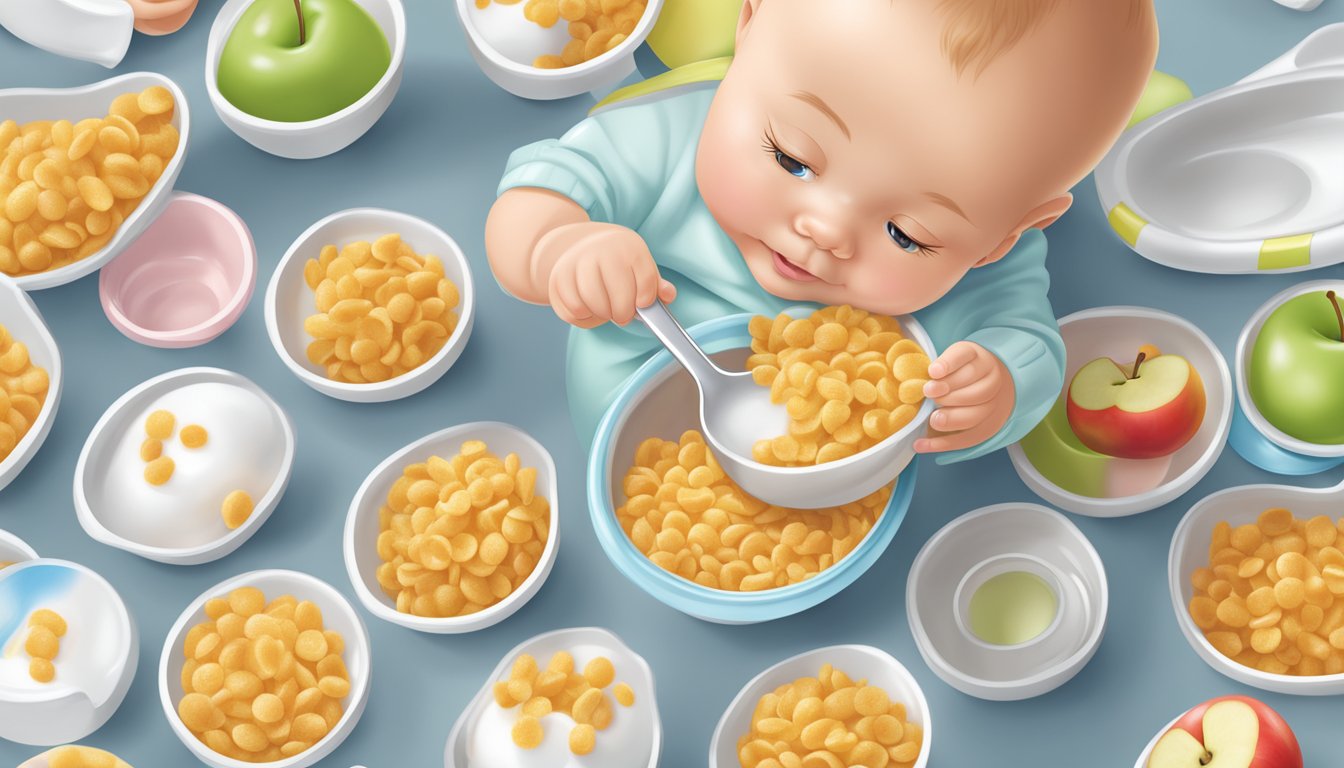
[(19, 315), (515, 73), (337, 614), (27, 104), (289, 300), (541, 647), (361, 523), (1245, 343), (57, 712), (973, 542), (310, 138), (98, 31), (14, 550), (857, 661), (96, 459), (1190, 550), (1118, 332)]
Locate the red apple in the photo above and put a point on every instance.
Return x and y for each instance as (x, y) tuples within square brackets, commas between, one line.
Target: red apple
[(1145, 411), (1228, 732)]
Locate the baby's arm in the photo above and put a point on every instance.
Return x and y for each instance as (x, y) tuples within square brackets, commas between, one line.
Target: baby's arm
[(1000, 381)]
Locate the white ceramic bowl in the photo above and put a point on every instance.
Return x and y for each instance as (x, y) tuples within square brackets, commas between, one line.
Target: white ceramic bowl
[(15, 550), (310, 138), (58, 713), (27, 104), (541, 647), (857, 661), (1246, 342), (1118, 332), (96, 458), (89, 30), (1190, 550), (1007, 673), (19, 315), (289, 300), (361, 523), (337, 614), (504, 44)]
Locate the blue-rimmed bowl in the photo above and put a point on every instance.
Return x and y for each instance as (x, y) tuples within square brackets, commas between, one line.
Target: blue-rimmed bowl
[(660, 400)]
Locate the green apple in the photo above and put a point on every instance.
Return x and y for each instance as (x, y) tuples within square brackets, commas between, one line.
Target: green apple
[(1296, 370), (1057, 453), (280, 65)]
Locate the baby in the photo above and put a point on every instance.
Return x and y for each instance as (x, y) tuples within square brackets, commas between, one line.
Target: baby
[(899, 156)]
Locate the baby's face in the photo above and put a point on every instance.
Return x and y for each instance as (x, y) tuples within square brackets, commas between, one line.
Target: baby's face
[(850, 164)]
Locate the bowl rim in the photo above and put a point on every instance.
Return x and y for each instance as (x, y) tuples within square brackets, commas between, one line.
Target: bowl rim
[(13, 541), (1147, 752), (879, 656), (1181, 540), (126, 624), (227, 18), (729, 332), (154, 198), (359, 688), (362, 505), (1250, 333), (483, 694), (1054, 675), (608, 58), (37, 433), (226, 544), (216, 324), (1124, 506), (427, 372)]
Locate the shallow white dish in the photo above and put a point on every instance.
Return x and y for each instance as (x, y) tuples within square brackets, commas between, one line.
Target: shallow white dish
[(289, 300), (14, 550), (105, 658), (121, 429), (1118, 332), (28, 104), (19, 315), (631, 668), (310, 138), (1190, 550), (857, 661), (504, 44), (1007, 673), (337, 614), (361, 523), (89, 30), (1246, 342), (1241, 180)]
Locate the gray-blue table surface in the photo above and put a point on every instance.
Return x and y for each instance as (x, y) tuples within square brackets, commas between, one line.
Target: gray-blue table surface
[(438, 153)]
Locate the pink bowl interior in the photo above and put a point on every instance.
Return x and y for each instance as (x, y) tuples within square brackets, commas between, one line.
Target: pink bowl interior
[(186, 279)]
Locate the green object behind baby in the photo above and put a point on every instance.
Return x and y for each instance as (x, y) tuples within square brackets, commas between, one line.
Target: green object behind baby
[(1057, 453), (694, 30)]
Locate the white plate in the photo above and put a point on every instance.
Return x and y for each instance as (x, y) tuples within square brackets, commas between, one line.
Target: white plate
[(58, 713), (541, 648), (24, 322), (74, 104), (325, 135), (1190, 550), (1118, 332), (1019, 672), (337, 614), (289, 300), (361, 523), (123, 415), (857, 661)]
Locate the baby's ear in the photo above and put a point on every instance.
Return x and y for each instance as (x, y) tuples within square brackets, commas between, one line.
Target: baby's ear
[(744, 19), (1039, 217)]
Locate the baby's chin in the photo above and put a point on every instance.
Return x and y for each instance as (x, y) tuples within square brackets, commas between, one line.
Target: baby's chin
[(820, 292)]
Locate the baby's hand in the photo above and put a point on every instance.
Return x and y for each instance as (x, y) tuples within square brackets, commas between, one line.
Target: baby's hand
[(600, 272), (975, 397)]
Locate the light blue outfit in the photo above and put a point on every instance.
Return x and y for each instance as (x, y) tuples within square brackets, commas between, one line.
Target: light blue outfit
[(635, 166)]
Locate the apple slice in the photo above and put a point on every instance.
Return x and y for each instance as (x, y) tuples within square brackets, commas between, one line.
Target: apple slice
[(1228, 732), (1146, 412)]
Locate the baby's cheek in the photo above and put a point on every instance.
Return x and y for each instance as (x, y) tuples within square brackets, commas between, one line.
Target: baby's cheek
[(898, 283)]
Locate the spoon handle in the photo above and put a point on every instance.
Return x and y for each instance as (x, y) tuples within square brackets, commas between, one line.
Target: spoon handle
[(663, 325)]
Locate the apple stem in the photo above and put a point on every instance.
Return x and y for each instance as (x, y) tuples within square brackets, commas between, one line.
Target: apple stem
[(1137, 362), (1339, 315), (303, 34)]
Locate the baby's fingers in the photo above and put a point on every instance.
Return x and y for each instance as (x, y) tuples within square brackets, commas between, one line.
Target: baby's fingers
[(957, 419), (622, 288), (977, 391), (953, 359)]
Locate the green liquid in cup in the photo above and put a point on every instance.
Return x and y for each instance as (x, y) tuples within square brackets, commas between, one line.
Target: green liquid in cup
[(1012, 608)]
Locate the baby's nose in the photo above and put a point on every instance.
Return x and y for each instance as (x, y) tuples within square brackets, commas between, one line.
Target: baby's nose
[(828, 233)]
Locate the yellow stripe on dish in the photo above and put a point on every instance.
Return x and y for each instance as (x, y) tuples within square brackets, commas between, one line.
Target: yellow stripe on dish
[(1126, 223), (1285, 252)]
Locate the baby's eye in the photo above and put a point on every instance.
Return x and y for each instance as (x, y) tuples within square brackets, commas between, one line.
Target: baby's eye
[(902, 240), (794, 167)]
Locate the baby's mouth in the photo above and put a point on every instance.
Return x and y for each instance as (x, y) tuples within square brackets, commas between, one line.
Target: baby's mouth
[(792, 271)]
